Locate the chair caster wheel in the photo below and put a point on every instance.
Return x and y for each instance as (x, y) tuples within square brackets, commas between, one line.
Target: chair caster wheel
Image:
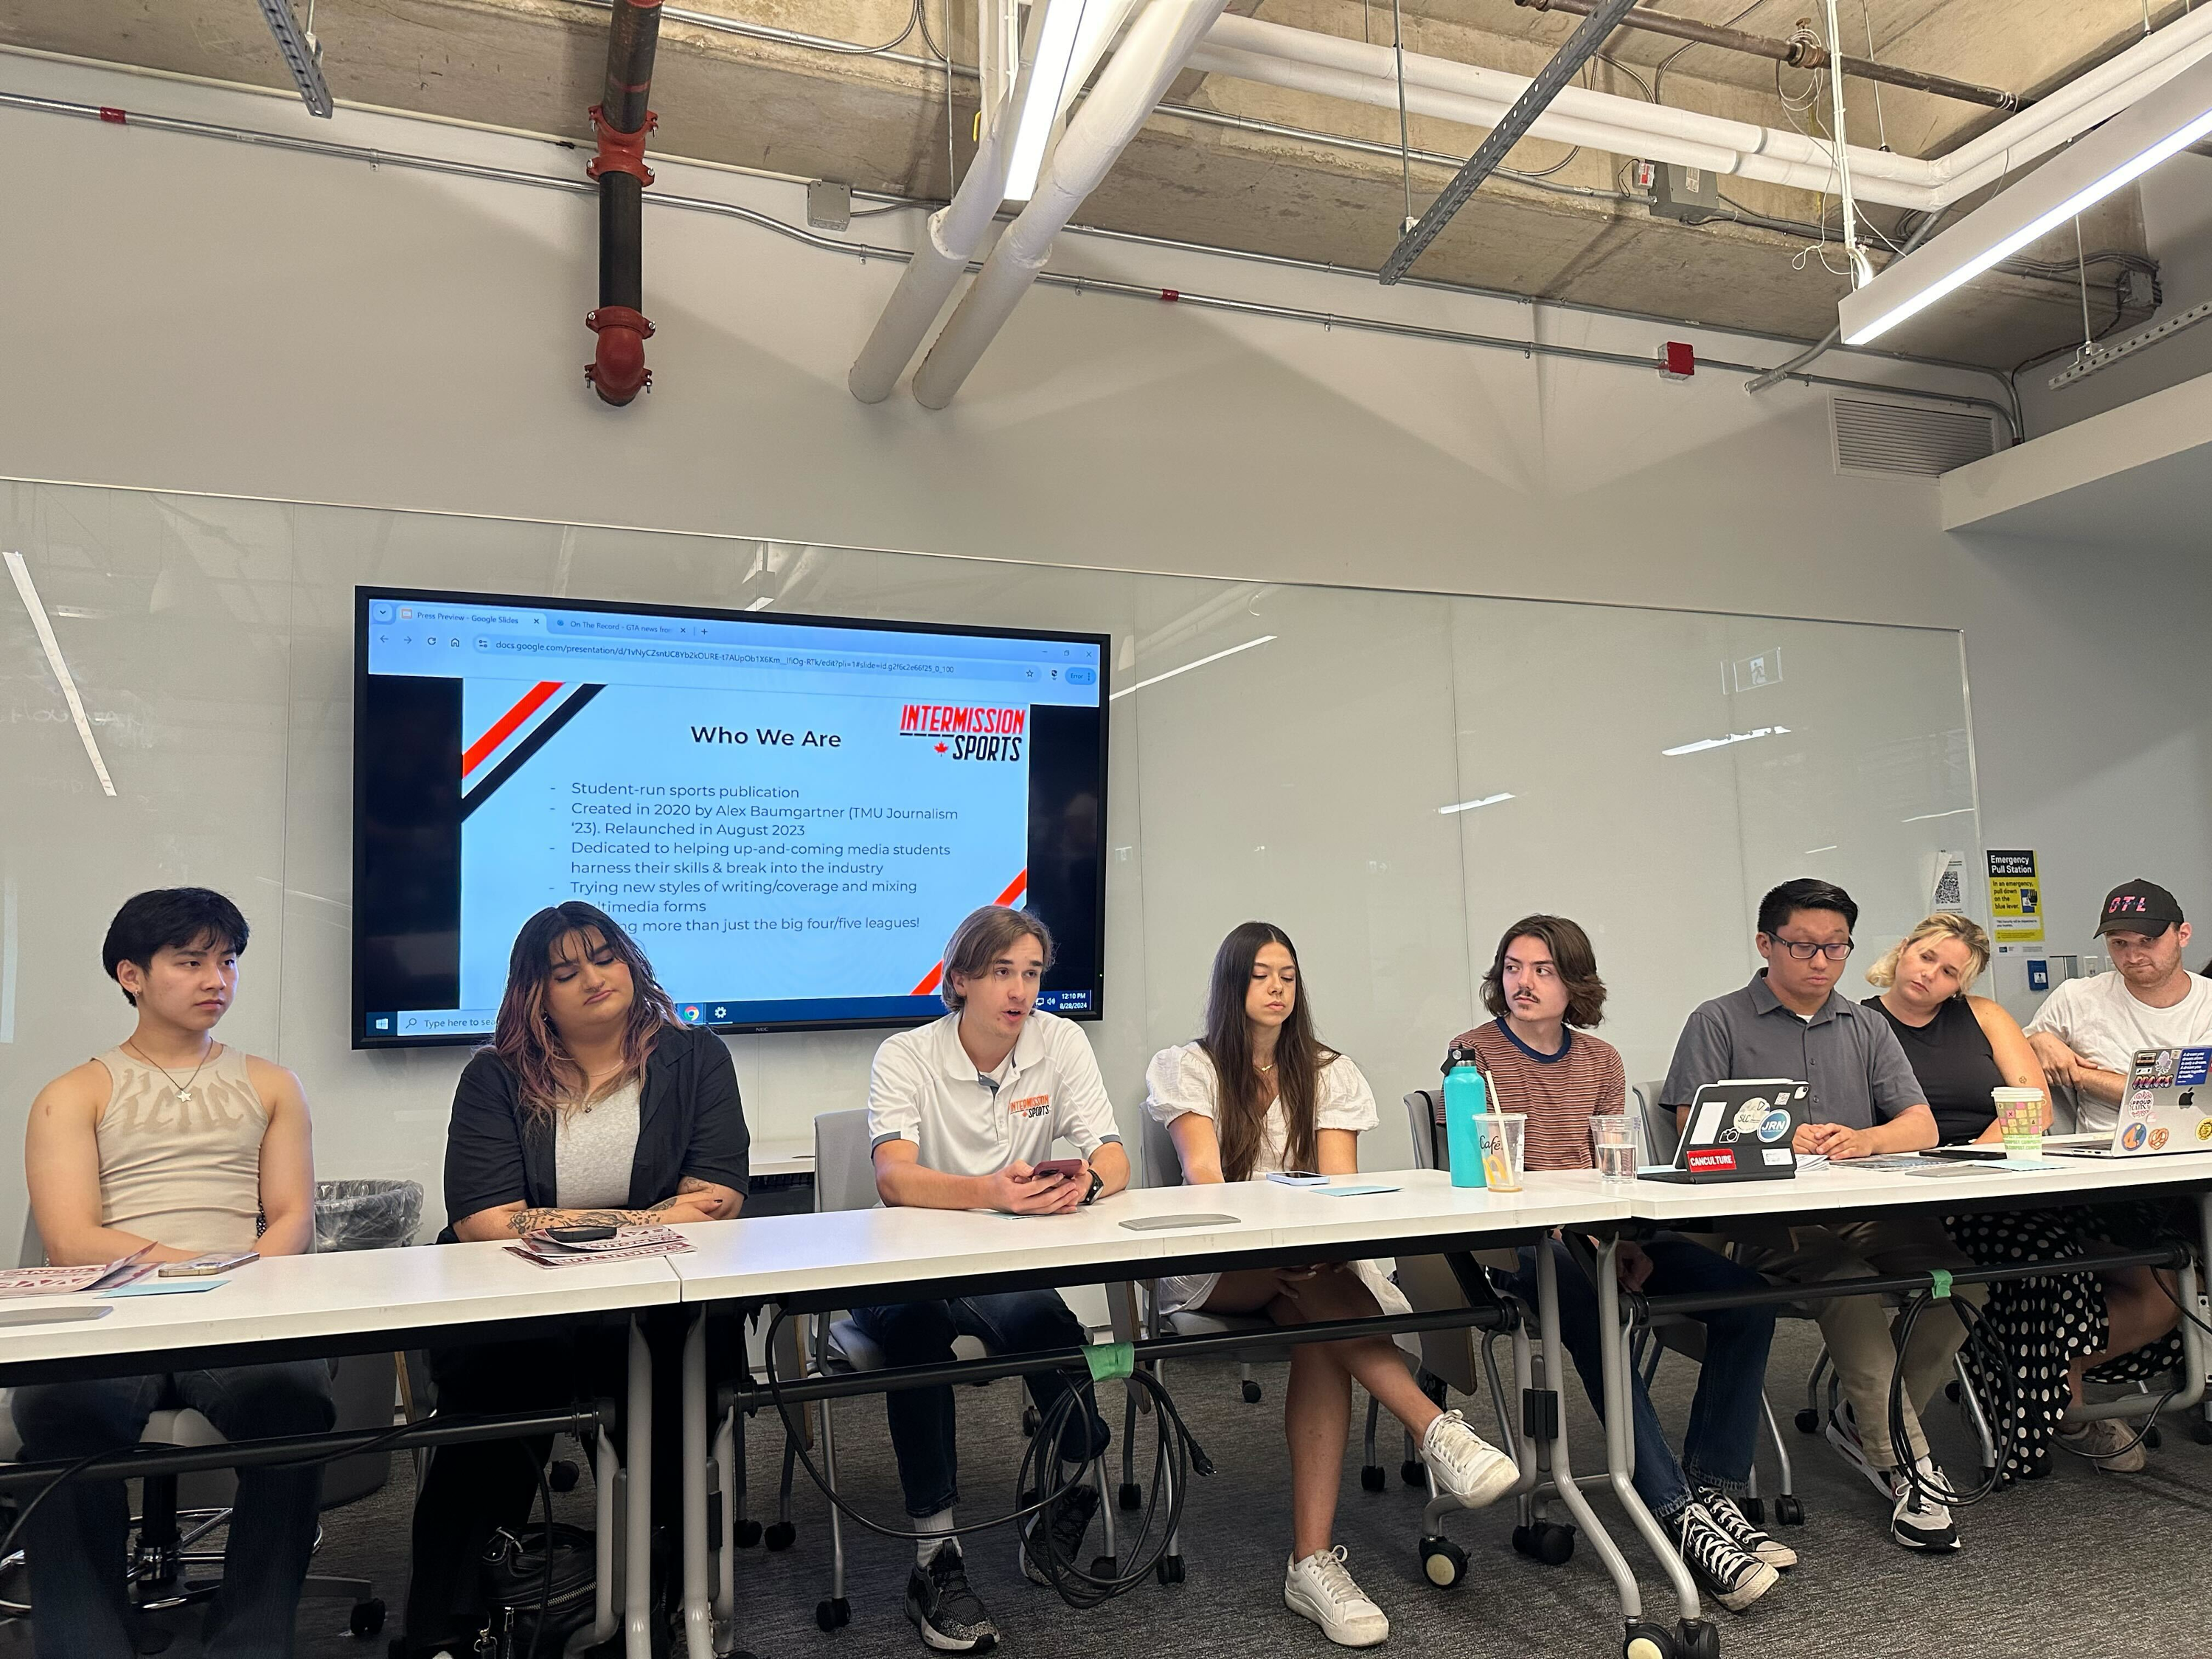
[(1251, 1390), (1132, 1495), (1696, 1638), (1555, 1543), (1788, 1511), (834, 1613), (2201, 1432), (1410, 1472), (1106, 1568), (1807, 1421), (749, 1534), (1754, 1510), (1371, 1477), (560, 1474), (2153, 1437), (1442, 1561), (1169, 1570), (779, 1535), (1029, 1422), (1648, 1642), (367, 1619)]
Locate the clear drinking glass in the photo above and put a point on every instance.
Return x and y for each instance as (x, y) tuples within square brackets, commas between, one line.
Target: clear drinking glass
[(1504, 1136), (1613, 1141)]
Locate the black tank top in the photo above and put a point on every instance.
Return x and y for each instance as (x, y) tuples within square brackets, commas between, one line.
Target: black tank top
[(1951, 1057)]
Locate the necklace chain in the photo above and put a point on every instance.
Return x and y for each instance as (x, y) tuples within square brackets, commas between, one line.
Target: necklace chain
[(184, 1089)]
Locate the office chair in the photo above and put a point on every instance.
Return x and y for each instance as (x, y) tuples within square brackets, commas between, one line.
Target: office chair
[(845, 1179), (166, 1568)]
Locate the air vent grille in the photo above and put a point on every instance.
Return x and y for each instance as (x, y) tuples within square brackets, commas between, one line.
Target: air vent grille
[(1892, 438)]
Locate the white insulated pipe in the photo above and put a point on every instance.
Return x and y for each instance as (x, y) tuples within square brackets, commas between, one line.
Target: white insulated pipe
[(948, 239), (1135, 80), (1248, 48)]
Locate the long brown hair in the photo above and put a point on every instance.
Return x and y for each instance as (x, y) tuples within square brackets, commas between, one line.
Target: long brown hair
[(1245, 1093), (549, 1079)]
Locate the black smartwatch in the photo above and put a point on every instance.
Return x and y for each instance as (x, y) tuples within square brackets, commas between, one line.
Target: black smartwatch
[(1097, 1186)]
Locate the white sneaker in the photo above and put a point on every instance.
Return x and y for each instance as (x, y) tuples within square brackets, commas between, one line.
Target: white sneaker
[(1917, 1519), (1842, 1433), (1319, 1589), (1465, 1465)]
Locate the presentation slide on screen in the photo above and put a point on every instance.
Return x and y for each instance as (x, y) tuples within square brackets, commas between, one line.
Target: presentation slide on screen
[(790, 819)]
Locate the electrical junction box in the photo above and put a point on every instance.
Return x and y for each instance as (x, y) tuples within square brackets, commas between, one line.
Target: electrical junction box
[(1692, 195)]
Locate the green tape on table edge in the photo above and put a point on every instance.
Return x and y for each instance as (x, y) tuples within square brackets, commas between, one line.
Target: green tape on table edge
[(1110, 1359)]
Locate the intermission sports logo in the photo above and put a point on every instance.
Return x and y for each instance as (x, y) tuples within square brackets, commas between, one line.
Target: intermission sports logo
[(967, 732)]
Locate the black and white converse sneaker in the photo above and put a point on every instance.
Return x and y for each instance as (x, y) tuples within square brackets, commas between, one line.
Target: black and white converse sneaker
[(949, 1616), (1735, 1579), (1069, 1521), (1918, 1519), (1760, 1545)]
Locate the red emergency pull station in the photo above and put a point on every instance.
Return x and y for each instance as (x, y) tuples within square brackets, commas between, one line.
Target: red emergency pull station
[(1678, 359)]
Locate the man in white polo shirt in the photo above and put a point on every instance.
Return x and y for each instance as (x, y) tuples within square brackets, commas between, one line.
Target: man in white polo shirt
[(960, 1113)]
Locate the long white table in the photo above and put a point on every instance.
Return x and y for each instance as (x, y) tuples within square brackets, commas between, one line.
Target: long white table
[(865, 1256), (362, 1300)]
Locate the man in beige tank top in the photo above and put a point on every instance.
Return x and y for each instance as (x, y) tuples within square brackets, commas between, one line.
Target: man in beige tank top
[(182, 1143)]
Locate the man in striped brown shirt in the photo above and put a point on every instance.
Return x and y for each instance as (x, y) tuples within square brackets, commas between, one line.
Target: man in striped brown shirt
[(1541, 1060)]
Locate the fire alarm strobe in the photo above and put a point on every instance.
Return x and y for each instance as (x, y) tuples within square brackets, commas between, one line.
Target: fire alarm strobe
[(1678, 359)]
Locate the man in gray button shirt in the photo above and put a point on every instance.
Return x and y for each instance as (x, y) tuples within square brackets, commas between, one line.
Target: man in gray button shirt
[(1789, 1022)]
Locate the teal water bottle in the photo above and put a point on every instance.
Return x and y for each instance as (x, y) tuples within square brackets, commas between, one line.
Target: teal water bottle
[(1466, 1099)]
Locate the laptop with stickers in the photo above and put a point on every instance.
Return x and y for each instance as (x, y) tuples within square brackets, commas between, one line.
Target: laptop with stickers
[(2166, 1107), (1740, 1130)]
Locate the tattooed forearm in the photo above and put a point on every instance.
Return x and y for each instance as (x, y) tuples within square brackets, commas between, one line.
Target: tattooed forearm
[(531, 1221)]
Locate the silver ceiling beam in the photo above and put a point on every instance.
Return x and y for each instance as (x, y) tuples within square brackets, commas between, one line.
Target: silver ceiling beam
[(303, 55)]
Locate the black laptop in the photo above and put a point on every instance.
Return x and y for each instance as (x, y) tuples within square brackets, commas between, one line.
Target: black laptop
[(1740, 1130)]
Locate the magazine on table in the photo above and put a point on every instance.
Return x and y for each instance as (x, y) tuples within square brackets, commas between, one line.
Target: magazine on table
[(625, 1244), (77, 1281)]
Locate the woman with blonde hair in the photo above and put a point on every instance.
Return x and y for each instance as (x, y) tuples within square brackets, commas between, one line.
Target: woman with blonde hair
[(1961, 1046), (2051, 1330)]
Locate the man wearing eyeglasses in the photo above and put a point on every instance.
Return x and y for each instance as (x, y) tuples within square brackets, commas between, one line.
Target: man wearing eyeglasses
[(1791, 1022)]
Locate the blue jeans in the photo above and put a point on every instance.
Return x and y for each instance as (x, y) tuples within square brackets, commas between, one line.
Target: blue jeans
[(922, 1423), (1725, 1413), (78, 1537)]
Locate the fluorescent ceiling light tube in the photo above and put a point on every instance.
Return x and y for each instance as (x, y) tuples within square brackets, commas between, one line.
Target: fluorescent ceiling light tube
[(1703, 744), (1187, 667), (1924, 816), (303, 55), (2160, 123), (760, 604), (1056, 33), (1809, 851), (22, 572), (1469, 806)]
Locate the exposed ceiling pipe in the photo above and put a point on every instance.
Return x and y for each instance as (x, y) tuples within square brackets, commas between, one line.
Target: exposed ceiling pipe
[(1153, 53), (617, 371), (1250, 49), (1798, 54)]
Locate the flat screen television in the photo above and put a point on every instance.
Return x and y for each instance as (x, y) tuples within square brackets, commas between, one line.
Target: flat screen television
[(788, 813)]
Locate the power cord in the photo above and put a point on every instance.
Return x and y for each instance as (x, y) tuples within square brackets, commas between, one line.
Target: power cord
[(1044, 1478)]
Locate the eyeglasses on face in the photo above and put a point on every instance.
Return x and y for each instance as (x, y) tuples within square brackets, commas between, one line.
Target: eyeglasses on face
[(1804, 950)]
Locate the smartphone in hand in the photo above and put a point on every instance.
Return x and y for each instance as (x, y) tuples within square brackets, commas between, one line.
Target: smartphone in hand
[(201, 1267), (1299, 1178), (1066, 1168)]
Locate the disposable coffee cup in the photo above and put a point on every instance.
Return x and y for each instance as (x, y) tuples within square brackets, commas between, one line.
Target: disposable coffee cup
[(2020, 1121), (1504, 1137)]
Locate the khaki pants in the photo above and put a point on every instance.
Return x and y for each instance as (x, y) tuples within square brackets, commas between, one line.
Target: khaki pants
[(1857, 1328)]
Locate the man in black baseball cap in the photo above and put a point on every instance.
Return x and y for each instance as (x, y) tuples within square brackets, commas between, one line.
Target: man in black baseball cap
[(2140, 907), (2088, 1031)]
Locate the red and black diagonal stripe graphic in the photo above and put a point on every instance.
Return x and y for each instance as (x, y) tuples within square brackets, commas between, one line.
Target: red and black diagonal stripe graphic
[(552, 705)]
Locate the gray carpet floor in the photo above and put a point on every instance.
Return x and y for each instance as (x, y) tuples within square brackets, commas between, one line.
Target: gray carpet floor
[(2085, 1562)]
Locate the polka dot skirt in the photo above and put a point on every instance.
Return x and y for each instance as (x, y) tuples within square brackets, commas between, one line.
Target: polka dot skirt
[(2044, 1322)]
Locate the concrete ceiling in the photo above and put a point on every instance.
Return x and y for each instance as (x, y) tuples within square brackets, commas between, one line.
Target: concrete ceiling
[(881, 124)]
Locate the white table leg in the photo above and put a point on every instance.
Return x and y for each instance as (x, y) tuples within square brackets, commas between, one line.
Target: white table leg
[(698, 1602), (637, 1566), (1620, 1429), (1563, 1471), (605, 1472)]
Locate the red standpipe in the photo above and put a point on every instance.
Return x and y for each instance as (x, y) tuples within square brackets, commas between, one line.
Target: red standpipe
[(620, 120)]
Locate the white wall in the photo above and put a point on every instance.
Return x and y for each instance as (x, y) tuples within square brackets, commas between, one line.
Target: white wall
[(191, 314)]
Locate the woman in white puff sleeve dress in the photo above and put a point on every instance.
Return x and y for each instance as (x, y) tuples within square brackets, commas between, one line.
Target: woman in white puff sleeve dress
[(1259, 1094)]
